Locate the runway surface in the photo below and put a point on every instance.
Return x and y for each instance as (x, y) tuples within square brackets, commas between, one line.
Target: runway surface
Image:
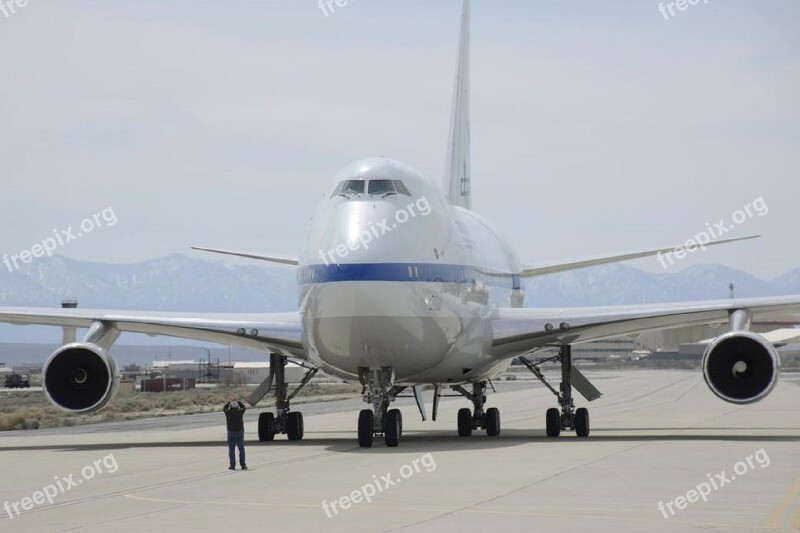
[(656, 436)]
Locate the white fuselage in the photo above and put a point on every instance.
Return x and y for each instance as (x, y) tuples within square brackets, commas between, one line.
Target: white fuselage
[(402, 279)]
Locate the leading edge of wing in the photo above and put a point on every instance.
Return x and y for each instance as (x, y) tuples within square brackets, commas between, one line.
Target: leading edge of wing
[(250, 255), (279, 333), (517, 331), (530, 271)]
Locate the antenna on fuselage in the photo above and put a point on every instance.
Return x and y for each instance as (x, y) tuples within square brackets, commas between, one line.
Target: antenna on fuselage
[(457, 168)]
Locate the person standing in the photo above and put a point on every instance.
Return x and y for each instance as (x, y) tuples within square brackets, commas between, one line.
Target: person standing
[(234, 419)]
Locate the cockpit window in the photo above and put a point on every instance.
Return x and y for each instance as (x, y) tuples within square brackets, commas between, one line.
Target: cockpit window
[(349, 188), (375, 187), (381, 187), (353, 187), (400, 188)]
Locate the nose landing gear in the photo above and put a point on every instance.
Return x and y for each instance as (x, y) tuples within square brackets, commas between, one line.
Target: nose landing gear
[(468, 421), (380, 392)]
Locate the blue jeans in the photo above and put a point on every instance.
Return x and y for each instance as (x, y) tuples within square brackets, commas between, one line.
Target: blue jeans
[(236, 439)]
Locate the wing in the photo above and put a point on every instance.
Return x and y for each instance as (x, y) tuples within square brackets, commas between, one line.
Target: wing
[(520, 331), (250, 255), (542, 269), (279, 333)]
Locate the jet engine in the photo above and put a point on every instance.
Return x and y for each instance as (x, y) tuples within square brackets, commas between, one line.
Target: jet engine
[(80, 377), (741, 367)]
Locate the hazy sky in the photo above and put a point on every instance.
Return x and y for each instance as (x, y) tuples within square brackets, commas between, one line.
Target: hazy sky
[(597, 126)]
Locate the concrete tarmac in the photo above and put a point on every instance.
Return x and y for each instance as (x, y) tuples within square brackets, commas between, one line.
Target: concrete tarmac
[(657, 437)]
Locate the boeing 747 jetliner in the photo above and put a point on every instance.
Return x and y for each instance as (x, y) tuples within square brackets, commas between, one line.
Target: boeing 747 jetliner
[(400, 285)]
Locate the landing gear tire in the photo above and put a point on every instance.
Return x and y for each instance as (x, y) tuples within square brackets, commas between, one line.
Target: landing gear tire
[(392, 428), (266, 427), (582, 422), (399, 417), (553, 422), (464, 422), (366, 422), (294, 426), (492, 423)]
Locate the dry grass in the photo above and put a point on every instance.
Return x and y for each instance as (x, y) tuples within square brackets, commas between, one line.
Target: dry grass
[(31, 410)]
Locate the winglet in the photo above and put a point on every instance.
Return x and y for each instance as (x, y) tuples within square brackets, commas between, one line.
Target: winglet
[(260, 257)]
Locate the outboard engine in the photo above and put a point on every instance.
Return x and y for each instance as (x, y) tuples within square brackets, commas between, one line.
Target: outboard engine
[(80, 377), (741, 367)]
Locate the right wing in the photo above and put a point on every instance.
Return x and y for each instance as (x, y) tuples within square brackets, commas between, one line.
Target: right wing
[(249, 255)]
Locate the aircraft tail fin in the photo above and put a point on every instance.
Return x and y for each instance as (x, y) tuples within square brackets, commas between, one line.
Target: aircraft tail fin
[(457, 169)]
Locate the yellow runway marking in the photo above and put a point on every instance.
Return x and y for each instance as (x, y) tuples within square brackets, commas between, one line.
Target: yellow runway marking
[(777, 514), (796, 519)]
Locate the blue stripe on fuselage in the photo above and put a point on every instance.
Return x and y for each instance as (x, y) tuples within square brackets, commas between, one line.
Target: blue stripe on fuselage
[(419, 272)]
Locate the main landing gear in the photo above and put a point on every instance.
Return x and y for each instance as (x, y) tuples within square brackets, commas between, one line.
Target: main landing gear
[(468, 421), (284, 420), (380, 392), (568, 418)]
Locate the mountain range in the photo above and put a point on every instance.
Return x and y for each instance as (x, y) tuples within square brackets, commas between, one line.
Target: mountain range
[(181, 283)]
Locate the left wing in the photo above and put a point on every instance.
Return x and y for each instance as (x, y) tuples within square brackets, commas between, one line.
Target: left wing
[(542, 269), (520, 331), (279, 333)]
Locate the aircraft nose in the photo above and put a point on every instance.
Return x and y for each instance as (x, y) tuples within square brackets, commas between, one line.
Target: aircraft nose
[(386, 229)]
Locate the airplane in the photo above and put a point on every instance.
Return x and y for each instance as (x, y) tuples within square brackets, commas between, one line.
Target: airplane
[(402, 285)]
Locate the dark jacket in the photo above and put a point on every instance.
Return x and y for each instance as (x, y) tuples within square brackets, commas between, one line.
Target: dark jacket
[(234, 415)]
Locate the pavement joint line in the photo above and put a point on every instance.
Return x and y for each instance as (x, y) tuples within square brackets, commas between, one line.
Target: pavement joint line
[(496, 511), (492, 510), (513, 491)]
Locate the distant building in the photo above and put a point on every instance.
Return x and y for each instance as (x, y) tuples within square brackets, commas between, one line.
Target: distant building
[(254, 373), (607, 349), (178, 369), (233, 373)]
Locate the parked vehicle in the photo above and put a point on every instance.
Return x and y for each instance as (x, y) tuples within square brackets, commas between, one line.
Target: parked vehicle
[(18, 381)]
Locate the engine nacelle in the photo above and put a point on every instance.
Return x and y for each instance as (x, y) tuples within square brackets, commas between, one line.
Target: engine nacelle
[(741, 367), (80, 378)]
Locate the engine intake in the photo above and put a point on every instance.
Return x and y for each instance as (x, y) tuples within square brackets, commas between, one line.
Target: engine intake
[(741, 367), (80, 378)]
